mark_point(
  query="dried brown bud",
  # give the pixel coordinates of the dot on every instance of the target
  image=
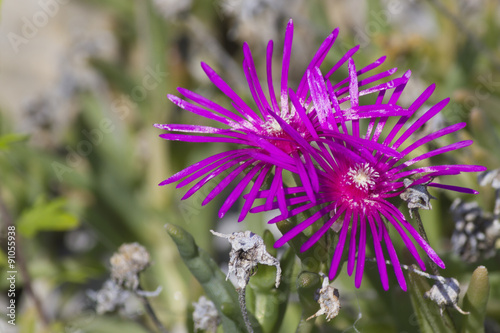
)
(127, 263)
(445, 293)
(248, 250)
(416, 196)
(328, 299)
(205, 315)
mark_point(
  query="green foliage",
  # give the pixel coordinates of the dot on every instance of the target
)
(475, 301)
(213, 281)
(7, 140)
(112, 186)
(46, 216)
(427, 312)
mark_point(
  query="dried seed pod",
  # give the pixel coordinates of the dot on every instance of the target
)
(248, 250)
(328, 299)
(205, 315)
(445, 293)
(109, 298)
(416, 196)
(127, 263)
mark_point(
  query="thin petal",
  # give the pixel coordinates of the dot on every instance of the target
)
(382, 268)
(360, 265)
(339, 248)
(201, 164)
(240, 187)
(225, 181)
(304, 224)
(324, 228)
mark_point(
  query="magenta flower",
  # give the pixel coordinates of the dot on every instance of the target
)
(264, 147)
(358, 173)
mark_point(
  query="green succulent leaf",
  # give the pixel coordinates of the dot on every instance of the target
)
(475, 301)
(46, 216)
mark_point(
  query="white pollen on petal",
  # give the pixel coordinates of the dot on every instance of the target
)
(362, 176)
(272, 127)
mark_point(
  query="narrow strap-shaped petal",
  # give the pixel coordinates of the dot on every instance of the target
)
(272, 192)
(352, 244)
(393, 99)
(255, 79)
(360, 264)
(287, 51)
(199, 138)
(374, 146)
(201, 164)
(440, 168)
(293, 133)
(269, 70)
(201, 111)
(225, 181)
(272, 160)
(433, 136)
(354, 94)
(317, 60)
(341, 61)
(211, 105)
(210, 176)
(252, 195)
(280, 194)
(291, 201)
(413, 108)
(336, 107)
(371, 125)
(311, 172)
(423, 244)
(229, 92)
(371, 111)
(193, 128)
(319, 96)
(420, 122)
(239, 188)
(303, 114)
(253, 89)
(435, 152)
(454, 188)
(409, 244)
(325, 227)
(379, 256)
(269, 147)
(304, 177)
(340, 91)
(339, 248)
(392, 254)
(304, 224)
(210, 167)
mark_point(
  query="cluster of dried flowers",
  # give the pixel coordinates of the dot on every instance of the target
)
(349, 156)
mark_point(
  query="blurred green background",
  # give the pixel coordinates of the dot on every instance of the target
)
(82, 82)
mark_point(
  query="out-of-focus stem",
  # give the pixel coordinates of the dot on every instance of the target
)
(151, 313)
(422, 233)
(21, 262)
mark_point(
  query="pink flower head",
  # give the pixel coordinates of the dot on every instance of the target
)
(264, 147)
(358, 172)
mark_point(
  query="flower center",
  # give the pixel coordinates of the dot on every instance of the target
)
(283, 141)
(362, 176)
